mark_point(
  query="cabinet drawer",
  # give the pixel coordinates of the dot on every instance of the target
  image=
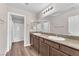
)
(54, 52)
(69, 50)
(53, 44)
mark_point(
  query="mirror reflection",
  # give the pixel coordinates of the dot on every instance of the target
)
(63, 19)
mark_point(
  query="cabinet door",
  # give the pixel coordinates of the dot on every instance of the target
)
(31, 40)
(54, 52)
(36, 43)
(44, 49)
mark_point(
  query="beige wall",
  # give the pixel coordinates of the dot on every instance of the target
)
(59, 24)
(3, 30)
(4, 9)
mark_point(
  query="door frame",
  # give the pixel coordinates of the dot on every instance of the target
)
(8, 39)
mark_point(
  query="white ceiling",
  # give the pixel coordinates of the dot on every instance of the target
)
(33, 7)
(37, 7)
(64, 7)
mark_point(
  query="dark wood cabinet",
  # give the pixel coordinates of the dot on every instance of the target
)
(36, 43)
(69, 50)
(31, 40)
(55, 52)
(52, 44)
(44, 49)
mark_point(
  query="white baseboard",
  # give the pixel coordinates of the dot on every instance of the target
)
(5, 52)
(27, 45)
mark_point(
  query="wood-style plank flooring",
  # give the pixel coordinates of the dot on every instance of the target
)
(18, 49)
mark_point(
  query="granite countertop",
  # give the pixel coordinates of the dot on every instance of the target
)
(74, 43)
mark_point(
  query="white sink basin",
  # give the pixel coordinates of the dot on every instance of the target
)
(56, 38)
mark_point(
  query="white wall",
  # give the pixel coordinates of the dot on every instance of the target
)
(18, 32)
(4, 9)
(3, 29)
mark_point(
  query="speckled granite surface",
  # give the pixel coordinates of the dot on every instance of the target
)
(71, 41)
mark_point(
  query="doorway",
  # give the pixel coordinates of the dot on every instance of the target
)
(16, 29)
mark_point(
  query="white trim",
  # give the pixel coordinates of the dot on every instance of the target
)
(8, 32)
(12, 13)
(27, 45)
(5, 53)
(24, 30)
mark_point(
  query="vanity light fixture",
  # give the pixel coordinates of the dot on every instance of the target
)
(51, 8)
(26, 3)
(47, 10)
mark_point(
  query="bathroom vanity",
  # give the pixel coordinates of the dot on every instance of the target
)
(49, 47)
